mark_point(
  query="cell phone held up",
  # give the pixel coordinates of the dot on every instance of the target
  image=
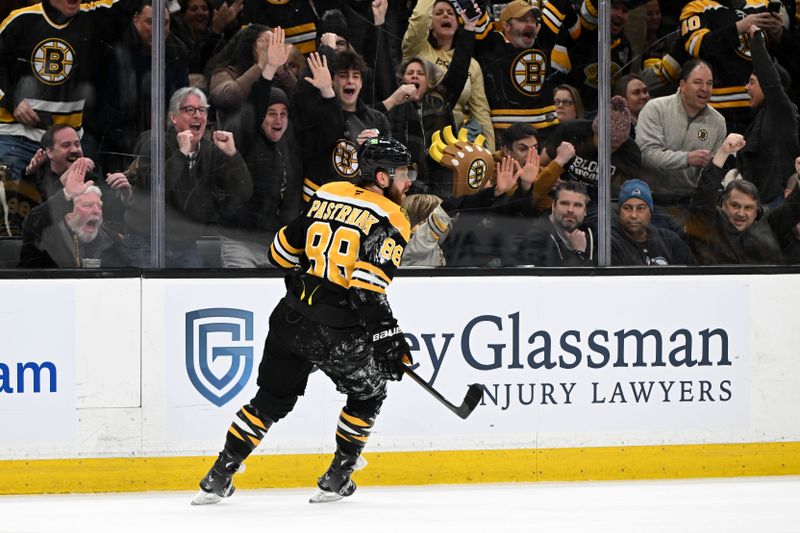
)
(774, 6)
(470, 10)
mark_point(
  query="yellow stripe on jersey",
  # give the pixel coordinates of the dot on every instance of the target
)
(692, 45)
(302, 37)
(283, 252)
(559, 58)
(302, 28)
(483, 27)
(728, 90)
(6, 116)
(730, 105)
(75, 120)
(697, 7)
(35, 8)
(309, 188)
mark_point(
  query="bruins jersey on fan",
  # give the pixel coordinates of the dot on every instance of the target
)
(708, 32)
(519, 83)
(295, 16)
(349, 238)
(50, 62)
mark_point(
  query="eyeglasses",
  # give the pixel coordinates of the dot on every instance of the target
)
(559, 101)
(191, 110)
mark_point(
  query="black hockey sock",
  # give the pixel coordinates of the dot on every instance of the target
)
(352, 432)
(246, 431)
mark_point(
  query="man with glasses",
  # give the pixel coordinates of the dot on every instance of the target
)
(203, 179)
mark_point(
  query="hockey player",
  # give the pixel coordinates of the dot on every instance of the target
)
(340, 255)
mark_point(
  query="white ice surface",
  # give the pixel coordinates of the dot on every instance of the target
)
(762, 505)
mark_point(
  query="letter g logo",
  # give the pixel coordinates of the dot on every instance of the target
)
(219, 352)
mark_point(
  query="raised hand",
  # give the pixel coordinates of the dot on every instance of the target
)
(119, 182)
(224, 15)
(329, 39)
(73, 178)
(733, 143)
(321, 76)
(36, 161)
(224, 141)
(368, 133)
(564, 153)
(529, 174)
(379, 8)
(577, 239)
(185, 141)
(277, 52)
(506, 176)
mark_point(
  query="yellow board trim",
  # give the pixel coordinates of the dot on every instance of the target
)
(411, 468)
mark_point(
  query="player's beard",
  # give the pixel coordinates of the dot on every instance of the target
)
(394, 194)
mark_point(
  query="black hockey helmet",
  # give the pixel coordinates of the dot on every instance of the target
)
(382, 153)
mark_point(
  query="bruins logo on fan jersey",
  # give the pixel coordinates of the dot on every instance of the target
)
(345, 158)
(591, 73)
(529, 71)
(743, 50)
(52, 61)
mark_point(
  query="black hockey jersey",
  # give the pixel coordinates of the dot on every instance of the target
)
(348, 237)
(519, 82)
(51, 62)
(296, 17)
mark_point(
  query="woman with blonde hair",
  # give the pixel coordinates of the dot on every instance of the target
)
(430, 224)
(431, 35)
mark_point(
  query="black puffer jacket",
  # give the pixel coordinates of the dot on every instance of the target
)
(714, 240)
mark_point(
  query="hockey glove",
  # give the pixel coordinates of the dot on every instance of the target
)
(388, 348)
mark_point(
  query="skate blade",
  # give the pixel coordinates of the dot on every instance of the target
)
(325, 496)
(205, 498)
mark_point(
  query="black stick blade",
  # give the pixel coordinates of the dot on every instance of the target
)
(471, 400)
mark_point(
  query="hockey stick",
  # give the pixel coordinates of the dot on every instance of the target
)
(471, 400)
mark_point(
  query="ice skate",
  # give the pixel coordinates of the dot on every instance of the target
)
(218, 483)
(336, 484)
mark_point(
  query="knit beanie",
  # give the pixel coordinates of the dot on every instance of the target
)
(620, 118)
(277, 96)
(635, 189)
(333, 21)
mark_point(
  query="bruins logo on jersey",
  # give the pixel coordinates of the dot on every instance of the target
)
(591, 74)
(345, 158)
(52, 61)
(743, 50)
(528, 72)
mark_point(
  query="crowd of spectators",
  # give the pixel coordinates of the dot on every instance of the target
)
(269, 100)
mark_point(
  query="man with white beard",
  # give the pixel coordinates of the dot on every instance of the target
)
(67, 230)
